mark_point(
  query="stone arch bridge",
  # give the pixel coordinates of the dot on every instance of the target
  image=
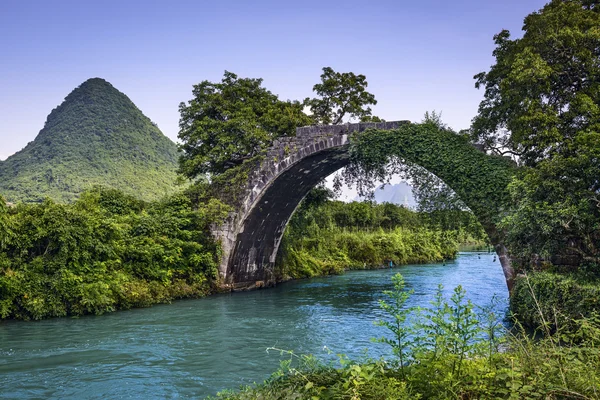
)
(251, 236)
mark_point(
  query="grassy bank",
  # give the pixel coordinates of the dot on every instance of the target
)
(327, 237)
(333, 250)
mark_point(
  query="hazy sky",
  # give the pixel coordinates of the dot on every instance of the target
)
(418, 55)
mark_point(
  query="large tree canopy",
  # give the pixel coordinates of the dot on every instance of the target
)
(542, 104)
(232, 121)
(229, 122)
(544, 89)
(341, 94)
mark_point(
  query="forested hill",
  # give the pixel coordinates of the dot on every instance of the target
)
(97, 136)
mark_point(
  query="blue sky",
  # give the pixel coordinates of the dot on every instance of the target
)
(418, 55)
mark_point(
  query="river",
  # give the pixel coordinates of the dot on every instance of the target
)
(194, 348)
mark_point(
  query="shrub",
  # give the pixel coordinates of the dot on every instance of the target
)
(561, 299)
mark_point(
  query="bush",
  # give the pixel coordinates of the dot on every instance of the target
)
(560, 298)
(105, 252)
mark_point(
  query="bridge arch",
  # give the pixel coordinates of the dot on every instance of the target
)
(251, 236)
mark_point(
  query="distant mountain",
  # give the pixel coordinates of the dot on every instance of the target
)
(97, 136)
(399, 193)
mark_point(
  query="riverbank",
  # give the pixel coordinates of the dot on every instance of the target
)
(195, 348)
(449, 349)
(329, 237)
(527, 370)
(109, 251)
(334, 250)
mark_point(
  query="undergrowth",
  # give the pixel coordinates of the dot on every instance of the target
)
(450, 350)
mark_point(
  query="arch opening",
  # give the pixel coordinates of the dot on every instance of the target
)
(252, 237)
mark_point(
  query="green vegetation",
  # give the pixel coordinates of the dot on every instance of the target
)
(327, 237)
(228, 124)
(97, 136)
(542, 104)
(449, 351)
(341, 95)
(334, 250)
(564, 297)
(109, 251)
(541, 109)
(106, 251)
(477, 178)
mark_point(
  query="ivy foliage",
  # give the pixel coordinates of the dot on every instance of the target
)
(106, 251)
(479, 180)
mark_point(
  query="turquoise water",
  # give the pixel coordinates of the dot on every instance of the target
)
(194, 348)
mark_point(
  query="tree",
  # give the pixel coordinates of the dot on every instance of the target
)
(542, 104)
(544, 89)
(230, 122)
(4, 227)
(341, 95)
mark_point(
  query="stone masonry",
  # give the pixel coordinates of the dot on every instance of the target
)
(292, 167)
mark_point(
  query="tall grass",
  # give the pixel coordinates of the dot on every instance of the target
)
(457, 353)
(322, 251)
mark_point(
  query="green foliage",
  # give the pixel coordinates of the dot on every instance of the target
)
(456, 354)
(97, 136)
(326, 237)
(333, 250)
(430, 192)
(551, 300)
(226, 127)
(555, 208)
(443, 336)
(341, 95)
(228, 186)
(478, 179)
(313, 380)
(106, 251)
(399, 313)
(230, 122)
(544, 88)
(4, 227)
(542, 104)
